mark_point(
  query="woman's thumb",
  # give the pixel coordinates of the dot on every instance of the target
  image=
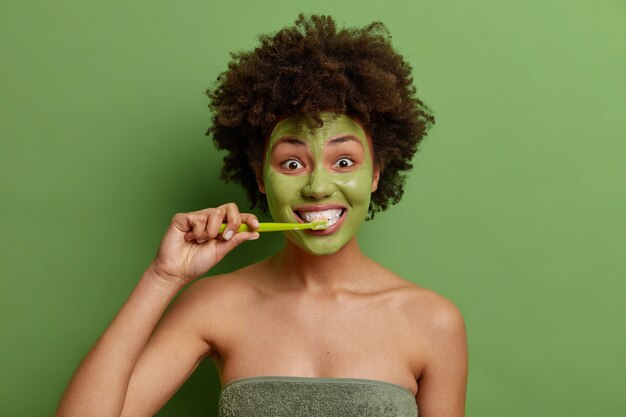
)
(236, 240)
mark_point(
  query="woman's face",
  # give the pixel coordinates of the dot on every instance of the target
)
(322, 173)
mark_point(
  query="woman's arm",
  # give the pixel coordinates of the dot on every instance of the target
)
(190, 247)
(98, 388)
(443, 381)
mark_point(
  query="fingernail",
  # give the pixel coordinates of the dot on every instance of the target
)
(227, 234)
(255, 223)
(254, 236)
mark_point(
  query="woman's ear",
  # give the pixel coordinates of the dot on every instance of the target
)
(260, 183)
(375, 179)
(258, 175)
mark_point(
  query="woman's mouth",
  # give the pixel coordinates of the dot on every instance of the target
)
(334, 217)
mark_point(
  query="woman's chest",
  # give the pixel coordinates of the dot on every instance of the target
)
(350, 340)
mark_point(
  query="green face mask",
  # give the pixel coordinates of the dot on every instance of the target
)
(319, 173)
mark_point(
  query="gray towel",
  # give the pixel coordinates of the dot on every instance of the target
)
(285, 396)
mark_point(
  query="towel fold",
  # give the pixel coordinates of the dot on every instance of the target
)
(282, 396)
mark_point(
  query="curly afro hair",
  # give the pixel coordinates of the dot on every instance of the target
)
(310, 68)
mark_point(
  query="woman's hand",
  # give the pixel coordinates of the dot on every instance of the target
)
(192, 244)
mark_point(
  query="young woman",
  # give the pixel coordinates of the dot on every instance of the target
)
(318, 123)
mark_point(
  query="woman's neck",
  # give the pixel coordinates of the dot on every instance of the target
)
(299, 270)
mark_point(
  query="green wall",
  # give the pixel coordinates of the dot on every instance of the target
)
(515, 209)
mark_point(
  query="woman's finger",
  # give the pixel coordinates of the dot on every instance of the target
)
(225, 246)
(194, 225)
(251, 220)
(199, 225)
(233, 220)
(216, 218)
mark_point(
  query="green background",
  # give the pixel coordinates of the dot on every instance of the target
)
(515, 210)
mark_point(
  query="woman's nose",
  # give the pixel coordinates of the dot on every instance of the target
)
(319, 185)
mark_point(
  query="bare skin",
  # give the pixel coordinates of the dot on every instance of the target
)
(297, 313)
(284, 316)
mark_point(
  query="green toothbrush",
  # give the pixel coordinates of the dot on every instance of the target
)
(277, 227)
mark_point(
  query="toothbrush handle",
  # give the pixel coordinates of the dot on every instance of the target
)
(277, 227)
(243, 228)
(270, 227)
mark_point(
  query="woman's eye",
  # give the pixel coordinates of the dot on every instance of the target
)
(344, 163)
(292, 164)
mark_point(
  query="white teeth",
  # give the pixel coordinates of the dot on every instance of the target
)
(331, 215)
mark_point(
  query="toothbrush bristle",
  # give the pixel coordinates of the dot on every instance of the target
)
(320, 225)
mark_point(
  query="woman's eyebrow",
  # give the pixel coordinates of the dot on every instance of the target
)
(343, 139)
(290, 140)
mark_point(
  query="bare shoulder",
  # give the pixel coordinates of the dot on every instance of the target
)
(429, 316)
(199, 306)
(428, 308)
(438, 313)
(220, 292)
(440, 353)
(212, 305)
